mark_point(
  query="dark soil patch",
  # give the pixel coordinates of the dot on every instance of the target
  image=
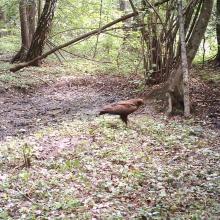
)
(81, 97)
(206, 103)
(22, 113)
(204, 97)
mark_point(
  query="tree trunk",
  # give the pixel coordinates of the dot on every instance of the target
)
(39, 9)
(42, 31)
(185, 71)
(175, 83)
(124, 7)
(32, 10)
(84, 36)
(155, 52)
(218, 31)
(25, 40)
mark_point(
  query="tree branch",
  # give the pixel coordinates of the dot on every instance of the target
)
(160, 2)
(81, 37)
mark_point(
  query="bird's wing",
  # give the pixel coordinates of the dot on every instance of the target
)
(119, 109)
(126, 102)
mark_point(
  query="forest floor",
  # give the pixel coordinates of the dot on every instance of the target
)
(83, 166)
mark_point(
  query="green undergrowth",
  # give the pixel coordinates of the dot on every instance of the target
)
(32, 77)
(9, 44)
(50, 72)
(100, 169)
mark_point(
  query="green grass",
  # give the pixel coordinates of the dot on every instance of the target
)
(9, 44)
(156, 168)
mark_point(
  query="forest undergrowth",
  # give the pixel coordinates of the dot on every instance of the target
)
(60, 160)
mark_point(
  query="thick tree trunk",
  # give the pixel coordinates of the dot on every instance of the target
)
(218, 31)
(42, 31)
(185, 70)
(155, 54)
(25, 40)
(175, 84)
(32, 10)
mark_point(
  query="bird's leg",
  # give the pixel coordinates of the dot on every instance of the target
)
(124, 118)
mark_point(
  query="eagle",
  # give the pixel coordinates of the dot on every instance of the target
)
(122, 108)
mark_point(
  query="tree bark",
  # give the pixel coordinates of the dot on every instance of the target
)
(25, 41)
(175, 83)
(199, 30)
(32, 10)
(217, 60)
(124, 7)
(39, 9)
(185, 70)
(84, 36)
(41, 33)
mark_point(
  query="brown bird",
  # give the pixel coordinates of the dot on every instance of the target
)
(122, 108)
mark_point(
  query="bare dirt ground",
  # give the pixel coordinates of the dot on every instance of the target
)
(23, 112)
(88, 167)
(68, 98)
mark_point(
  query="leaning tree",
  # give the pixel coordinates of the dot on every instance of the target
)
(42, 31)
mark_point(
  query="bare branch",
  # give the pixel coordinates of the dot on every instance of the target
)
(84, 36)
